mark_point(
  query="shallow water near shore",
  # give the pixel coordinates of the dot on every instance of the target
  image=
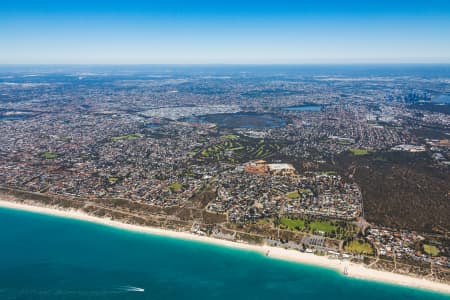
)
(48, 257)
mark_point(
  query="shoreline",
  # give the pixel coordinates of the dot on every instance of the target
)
(354, 270)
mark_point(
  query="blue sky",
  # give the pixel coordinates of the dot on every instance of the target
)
(267, 32)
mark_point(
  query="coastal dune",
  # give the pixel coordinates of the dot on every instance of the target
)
(352, 269)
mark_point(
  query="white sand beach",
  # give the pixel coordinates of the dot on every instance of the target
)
(354, 270)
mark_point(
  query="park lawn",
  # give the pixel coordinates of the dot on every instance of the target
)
(49, 155)
(330, 172)
(324, 226)
(430, 250)
(293, 224)
(237, 148)
(132, 136)
(230, 136)
(113, 179)
(359, 152)
(293, 195)
(265, 221)
(175, 186)
(359, 247)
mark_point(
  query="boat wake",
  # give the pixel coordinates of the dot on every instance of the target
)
(129, 288)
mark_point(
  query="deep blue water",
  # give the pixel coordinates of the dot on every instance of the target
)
(12, 118)
(45, 257)
(193, 120)
(245, 120)
(442, 99)
(303, 108)
(152, 125)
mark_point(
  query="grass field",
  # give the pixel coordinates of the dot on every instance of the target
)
(334, 229)
(49, 155)
(230, 136)
(175, 186)
(131, 136)
(430, 250)
(293, 195)
(359, 247)
(324, 226)
(293, 224)
(237, 149)
(113, 179)
(330, 172)
(359, 152)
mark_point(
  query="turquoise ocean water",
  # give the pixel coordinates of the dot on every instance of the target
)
(46, 257)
